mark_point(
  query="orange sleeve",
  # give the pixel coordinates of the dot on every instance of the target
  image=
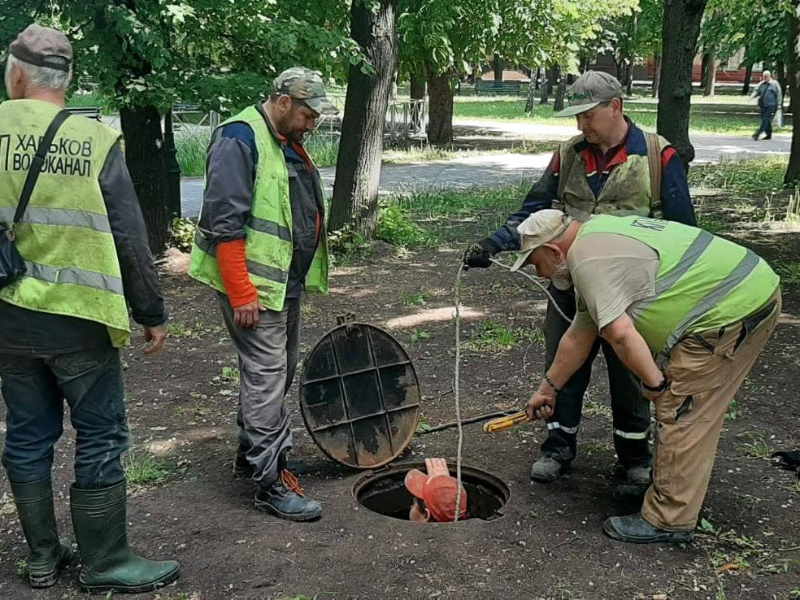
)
(233, 269)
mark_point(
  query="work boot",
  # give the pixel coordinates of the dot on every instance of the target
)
(242, 469)
(37, 516)
(547, 469)
(755, 136)
(107, 563)
(767, 137)
(638, 475)
(636, 530)
(286, 499)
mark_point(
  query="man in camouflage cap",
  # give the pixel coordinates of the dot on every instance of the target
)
(260, 242)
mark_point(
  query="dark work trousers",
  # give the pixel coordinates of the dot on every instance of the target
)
(767, 114)
(35, 388)
(631, 412)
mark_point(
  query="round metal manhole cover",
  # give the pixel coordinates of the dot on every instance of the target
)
(359, 396)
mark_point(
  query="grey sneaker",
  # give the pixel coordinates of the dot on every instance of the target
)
(638, 476)
(547, 469)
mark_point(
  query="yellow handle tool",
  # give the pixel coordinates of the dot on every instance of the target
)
(503, 423)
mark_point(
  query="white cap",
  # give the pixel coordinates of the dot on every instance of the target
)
(540, 228)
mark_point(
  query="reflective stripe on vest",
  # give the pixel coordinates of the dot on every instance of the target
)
(64, 235)
(703, 282)
(67, 217)
(268, 229)
(253, 267)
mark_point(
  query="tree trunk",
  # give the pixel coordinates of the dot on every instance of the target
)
(583, 64)
(358, 167)
(792, 62)
(711, 74)
(417, 87)
(440, 125)
(561, 89)
(748, 75)
(497, 65)
(681, 27)
(144, 155)
(780, 75)
(704, 67)
(656, 74)
(793, 171)
(538, 78)
(548, 82)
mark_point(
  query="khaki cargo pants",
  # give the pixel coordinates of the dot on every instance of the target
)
(705, 371)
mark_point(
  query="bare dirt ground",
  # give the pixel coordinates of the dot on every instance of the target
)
(548, 545)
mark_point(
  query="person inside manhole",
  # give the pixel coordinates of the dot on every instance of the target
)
(435, 494)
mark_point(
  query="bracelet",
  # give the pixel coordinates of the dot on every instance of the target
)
(659, 388)
(551, 384)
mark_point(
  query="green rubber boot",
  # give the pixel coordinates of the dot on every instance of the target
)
(107, 564)
(48, 554)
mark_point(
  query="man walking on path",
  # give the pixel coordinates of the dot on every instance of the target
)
(703, 306)
(85, 247)
(260, 242)
(612, 167)
(770, 99)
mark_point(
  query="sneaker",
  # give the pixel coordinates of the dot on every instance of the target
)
(636, 530)
(547, 469)
(286, 499)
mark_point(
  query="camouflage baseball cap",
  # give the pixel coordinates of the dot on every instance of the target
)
(306, 85)
(589, 90)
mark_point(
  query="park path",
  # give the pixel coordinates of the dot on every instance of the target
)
(508, 168)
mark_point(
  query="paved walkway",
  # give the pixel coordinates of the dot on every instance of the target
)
(504, 169)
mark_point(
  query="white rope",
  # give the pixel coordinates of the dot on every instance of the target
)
(457, 387)
(537, 282)
(457, 375)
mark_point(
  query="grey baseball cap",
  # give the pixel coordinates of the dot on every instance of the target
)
(43, 47)
(306, 85)
(589, 90)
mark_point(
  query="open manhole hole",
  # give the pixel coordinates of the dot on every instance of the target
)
(384, 492)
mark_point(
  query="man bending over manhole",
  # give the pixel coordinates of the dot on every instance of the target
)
(435, 494)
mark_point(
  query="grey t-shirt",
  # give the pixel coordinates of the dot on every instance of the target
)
(611, 273)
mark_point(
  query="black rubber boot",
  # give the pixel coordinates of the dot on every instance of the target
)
(242, 469)
(107, 563)
(37, 516)
(636, 530)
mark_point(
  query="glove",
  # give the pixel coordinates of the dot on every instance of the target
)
(479, 254)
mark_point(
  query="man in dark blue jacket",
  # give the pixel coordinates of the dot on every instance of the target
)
(612, 167)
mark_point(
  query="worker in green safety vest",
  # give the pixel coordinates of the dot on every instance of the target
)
(85, 247)
(261, 241)
(686, 311)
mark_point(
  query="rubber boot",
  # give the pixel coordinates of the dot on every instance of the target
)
(107, 563)
(37, 516)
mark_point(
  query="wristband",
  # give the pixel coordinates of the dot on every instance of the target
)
(659, 388)
(551, 384)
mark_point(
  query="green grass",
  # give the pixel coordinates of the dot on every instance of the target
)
(789, 271)
(142, 468)
(757, 447)
(323, 150)
(489, 336)
(742, 177)
(192, 154)
(722, 117)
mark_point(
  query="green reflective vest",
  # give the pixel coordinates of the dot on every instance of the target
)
(627, 191)
(704, 282)
(268, 230)
(64, 236)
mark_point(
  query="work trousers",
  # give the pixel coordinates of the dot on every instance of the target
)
(630, 411)
(705, 371)
(767, 114)
(267, 364)
(34, 389)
